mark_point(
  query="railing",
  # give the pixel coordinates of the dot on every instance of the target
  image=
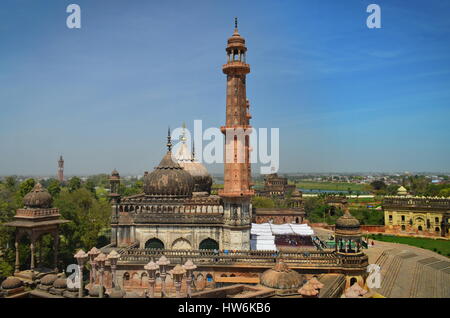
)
(30, 213)
(419, 202)
(177, 218)
(319, 259)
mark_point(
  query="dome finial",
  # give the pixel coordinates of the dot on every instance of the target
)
(169, 141)
(183, 134)
(235, 23)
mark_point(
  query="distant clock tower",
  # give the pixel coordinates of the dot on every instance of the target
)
(61, 169)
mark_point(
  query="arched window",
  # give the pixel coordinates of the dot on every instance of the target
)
(403, 228)
(437, 229)
(420, 228)
(209, 278)
(126, 276)
(181, 244)
(154, 243)
(353, 280)
(209, 244)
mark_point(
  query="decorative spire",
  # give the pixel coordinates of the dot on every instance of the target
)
(235, 23)
(183, 134)
(169, 141)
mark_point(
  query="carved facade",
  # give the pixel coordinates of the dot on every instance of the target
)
(417, 215)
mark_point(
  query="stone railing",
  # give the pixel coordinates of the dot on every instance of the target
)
(416, 202)
(170, 218)
(37, 213)
(305, 259)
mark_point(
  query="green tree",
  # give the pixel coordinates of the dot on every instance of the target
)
(74, 184)
(8, 206)
(26, 186)
(89, 219)
(11, 183)
(90, 186)
(54, 188)
(392, 189)
(262, 202)
(445, 192)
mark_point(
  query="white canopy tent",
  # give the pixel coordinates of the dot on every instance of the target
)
(263, 235)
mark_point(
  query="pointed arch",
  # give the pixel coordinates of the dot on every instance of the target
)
(209, 244)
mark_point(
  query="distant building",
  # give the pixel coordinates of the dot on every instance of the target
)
(277, 186)
(417, 215)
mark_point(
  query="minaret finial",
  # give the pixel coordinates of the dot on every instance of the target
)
(235, 23)
(169, 141)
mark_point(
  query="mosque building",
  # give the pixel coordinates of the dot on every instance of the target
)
(177, 209)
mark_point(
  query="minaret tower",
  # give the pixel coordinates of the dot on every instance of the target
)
(237, 191)
(61, 169)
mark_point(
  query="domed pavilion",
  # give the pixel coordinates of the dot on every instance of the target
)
(348, 234)
(36, 219)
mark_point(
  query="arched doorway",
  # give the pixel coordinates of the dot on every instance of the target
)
(181, 244)
(154, 243)
(209, 244)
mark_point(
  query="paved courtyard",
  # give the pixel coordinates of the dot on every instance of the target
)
(408, 271)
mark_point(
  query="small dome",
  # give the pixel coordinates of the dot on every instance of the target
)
(48, 279)
(11, 283)
(202, 179)
(117, 292)
(38, 198)
(281, 277)
(95, 291)
(114, 175)
(402, 191)
(60, 283)
(308, 290)
(296, 193)
(169, 179)
(186, 159)
(347, 222)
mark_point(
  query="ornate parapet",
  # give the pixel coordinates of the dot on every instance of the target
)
(178, 218)
(308, 260)
(422, 203)
(37, 213)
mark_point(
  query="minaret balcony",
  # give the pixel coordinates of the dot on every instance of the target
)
(236, 67)
(246, 128)
(236, 194)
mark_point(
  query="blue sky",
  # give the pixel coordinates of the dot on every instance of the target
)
(345, 98)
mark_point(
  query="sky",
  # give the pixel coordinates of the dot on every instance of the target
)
(345, 98)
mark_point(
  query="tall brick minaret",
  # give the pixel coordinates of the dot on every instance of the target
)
(61, 169)
(237, 191)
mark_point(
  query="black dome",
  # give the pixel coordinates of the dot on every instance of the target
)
(169, 179)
